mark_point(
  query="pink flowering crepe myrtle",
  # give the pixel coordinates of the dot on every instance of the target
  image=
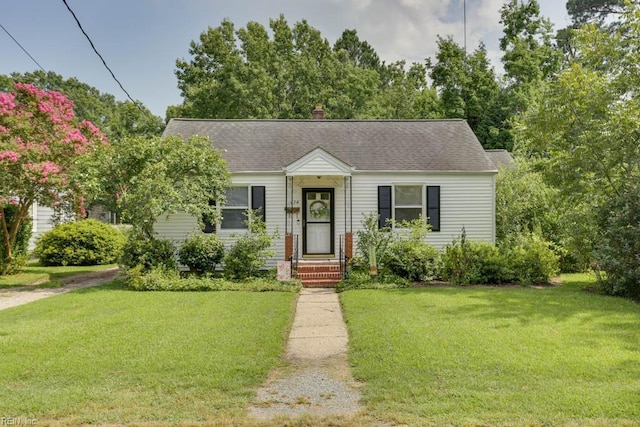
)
(41, 146)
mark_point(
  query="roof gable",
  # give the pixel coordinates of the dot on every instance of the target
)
(318, 162)
(366, 145)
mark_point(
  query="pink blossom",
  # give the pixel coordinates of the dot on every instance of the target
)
(7, 102)
(74, 135)
(14, 202)
(45, 107)
(12, 156)
(48, 168)
(26, 87)
(3, 129)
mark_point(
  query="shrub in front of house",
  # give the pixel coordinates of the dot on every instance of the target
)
(247, 256)
(414, 260)
(20, 249)
(467, 262)
(146, 252)
(201, 253)
(250, 251)
(86, 242)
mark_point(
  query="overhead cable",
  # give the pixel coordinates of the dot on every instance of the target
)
(22, 47)
(100, 56)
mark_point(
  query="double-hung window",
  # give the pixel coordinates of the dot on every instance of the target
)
(406, 202)
(234, 211)
(238, 200)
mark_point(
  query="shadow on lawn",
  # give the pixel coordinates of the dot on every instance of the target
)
(613, 316)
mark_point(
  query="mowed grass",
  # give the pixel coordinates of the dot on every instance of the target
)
(108, 355)
(497, 356)
(45, 276)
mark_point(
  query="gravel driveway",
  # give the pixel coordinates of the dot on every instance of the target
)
(18, 296)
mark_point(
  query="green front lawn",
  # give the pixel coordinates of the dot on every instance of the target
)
(109, 355)
(491, 356)
(44, 276)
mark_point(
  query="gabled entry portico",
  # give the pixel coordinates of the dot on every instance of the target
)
(318, 207)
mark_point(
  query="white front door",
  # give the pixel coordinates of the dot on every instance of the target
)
(318, 221)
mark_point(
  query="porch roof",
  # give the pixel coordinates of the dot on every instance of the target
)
(366, 145)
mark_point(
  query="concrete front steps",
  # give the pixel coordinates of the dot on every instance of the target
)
(318, 273)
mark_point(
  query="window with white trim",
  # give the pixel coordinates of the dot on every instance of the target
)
(408, 202)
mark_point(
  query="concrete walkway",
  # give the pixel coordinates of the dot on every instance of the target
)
(318, 329)
(318, 381)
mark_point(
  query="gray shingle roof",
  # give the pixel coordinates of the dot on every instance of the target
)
(500, 157)
(368, 145)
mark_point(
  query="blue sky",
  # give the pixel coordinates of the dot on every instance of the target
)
(141, 39)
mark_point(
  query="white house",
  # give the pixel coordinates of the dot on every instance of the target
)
(315, 179)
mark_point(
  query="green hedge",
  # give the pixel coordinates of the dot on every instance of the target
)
(86, 242)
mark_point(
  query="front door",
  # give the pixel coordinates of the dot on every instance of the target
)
(317, 221)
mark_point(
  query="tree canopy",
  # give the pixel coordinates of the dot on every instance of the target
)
(248, 73)
(44, 153)
(581, 129)
(145, 177)
(115, 118)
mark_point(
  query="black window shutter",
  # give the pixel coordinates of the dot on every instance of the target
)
(433, 206)
(209, 227)
(258, 201)
(384, 206)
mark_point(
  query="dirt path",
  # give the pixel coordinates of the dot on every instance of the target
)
(318, 381)
(23, 295)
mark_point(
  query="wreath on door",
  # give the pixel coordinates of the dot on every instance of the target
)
(319, 209)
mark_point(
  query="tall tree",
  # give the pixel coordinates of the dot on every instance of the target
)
(246, 73)
(581, 128)
(359, 52)
(469, 89)
(145, 177)
(594, 11)
(529, 55)
(43, 157)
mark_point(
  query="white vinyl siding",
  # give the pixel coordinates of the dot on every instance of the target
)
(466, 200)
(177, 227)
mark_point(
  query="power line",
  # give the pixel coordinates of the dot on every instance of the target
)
(22, 47)
(100, 56)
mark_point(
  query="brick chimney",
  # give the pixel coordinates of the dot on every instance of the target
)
(318, 113)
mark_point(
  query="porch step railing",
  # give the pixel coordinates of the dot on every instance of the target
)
(294, 258)
(343, 258)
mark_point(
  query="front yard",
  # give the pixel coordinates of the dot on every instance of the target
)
(491, 356)
(428, 356)
(108, 355)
